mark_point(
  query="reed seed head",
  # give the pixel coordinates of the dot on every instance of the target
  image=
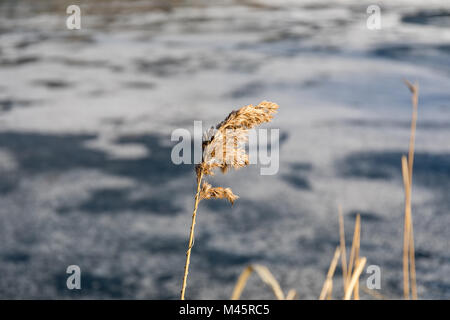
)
(224, 146)
(208, 192)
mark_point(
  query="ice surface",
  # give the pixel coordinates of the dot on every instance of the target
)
(85, 124)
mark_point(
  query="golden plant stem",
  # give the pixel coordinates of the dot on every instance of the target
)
(357, 239)
(291, 295)
(354, 254)
(412, 263)
(343, 250)
(415, 100)
(409, 266)
(356, 290)
(330, 291)
(265, 275)
(353, 251)
(191, 235)
(414, 88)
(328, 284)
(406, 231)
(351, 285)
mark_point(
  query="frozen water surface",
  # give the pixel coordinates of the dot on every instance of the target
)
(85, 123)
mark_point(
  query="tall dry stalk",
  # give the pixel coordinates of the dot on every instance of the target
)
(327, 288)
(223, 148)
(343, 249)
(354, 279)
(191, 235)
(354, 254)
(406, 231)
(409, 268)
(350, 276)
(266, 276)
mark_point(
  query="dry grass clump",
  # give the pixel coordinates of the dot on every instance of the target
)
(409, 265)
(352, 269)
(223, 148)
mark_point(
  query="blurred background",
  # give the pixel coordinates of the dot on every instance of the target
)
(86, 117)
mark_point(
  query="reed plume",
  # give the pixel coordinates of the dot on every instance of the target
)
(223, 148)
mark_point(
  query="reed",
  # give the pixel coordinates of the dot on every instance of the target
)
(343, 249)
(409, 266)
(354, 279)
(354, 254)
(223, 148)
(352, 269)
(266, 276)
(291, 295)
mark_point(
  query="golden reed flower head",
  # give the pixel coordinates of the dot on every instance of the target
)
(224, 146)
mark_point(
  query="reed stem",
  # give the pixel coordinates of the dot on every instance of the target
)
(191, 234)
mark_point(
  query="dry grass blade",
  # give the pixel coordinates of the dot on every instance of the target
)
(412, 261)
(330, 291)
(358, 244)
(409, 275)
(265, 275)
(408, 245)
(414, 88)
(354, 253)
(351, 285)
(241, 282)
(406, 231)
(291, 295)
(343, 249)
(328, 284)
(191, 237)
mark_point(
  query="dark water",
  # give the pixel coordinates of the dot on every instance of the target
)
(86, 115)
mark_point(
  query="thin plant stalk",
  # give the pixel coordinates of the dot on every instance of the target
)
(408, 247)
(354, 254)
(412, 262)
(406, 231)
(353, 250)
(291, 295)
(343, 249)
(414, 88)
(357, 246)
(328, 284)
(191, 235)
(351, 285)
